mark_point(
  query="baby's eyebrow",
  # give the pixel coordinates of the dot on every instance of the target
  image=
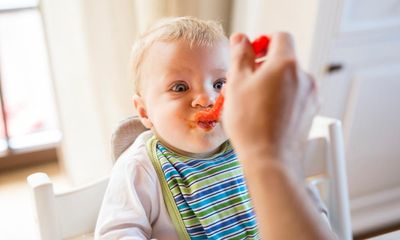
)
(220, 70)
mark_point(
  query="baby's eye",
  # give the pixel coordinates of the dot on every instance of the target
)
(180, 87)
(219, 83)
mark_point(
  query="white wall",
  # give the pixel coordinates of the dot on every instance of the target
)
(150, 10)
(300, 18)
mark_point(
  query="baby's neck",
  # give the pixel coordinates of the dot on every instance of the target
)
(188, 154)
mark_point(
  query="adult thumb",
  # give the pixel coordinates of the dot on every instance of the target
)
(242, 57)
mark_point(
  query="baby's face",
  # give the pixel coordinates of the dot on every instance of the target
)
(177, 82)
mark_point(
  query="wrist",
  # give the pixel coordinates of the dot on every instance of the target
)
(257, 152)
(266, 160)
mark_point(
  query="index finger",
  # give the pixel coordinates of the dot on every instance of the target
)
(242, 58)
(281, 46)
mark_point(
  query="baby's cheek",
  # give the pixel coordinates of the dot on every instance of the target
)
(178, 126)
(182, 121)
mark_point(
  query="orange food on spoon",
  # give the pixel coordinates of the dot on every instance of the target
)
(212, 115)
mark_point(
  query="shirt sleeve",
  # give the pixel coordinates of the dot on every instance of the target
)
(129, 204)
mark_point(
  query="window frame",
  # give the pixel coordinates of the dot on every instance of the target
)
(16, 158)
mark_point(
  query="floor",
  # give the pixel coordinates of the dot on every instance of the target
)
(16, 215)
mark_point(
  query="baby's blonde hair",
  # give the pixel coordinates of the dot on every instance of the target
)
(193, 30)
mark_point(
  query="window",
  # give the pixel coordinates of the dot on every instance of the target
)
(29, 129)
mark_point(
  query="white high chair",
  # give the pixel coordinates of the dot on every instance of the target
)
(325, 168)
(68, 214)
(73, 214)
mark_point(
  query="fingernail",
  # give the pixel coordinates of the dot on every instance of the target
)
(236, 39)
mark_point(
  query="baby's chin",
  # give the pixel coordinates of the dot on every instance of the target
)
(194, 144)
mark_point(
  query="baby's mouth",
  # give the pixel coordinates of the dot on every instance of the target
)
(206, 125)
(208, 118)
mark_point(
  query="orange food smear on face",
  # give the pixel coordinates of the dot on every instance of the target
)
(211, 114)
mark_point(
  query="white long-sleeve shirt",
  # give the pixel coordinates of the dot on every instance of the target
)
(133, 206)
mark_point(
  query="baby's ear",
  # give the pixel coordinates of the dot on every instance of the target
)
(141, 110)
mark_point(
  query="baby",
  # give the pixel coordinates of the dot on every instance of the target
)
(181, 180)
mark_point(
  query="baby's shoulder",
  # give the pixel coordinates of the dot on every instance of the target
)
(135, 156)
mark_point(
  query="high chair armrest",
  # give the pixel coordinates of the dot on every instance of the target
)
(38, 179)
(44, 205)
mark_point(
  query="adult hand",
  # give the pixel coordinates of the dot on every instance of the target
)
(267, 114)
(269, 107)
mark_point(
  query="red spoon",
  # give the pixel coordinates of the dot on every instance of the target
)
(260, 45)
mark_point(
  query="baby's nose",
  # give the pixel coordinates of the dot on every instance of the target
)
(203, 100)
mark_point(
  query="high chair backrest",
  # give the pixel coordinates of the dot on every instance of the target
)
(125, 134)
(325, 168)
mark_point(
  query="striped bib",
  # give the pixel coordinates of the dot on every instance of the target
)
(206, 198)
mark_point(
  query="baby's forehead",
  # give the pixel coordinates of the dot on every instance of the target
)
(172, 71)
(185, 54)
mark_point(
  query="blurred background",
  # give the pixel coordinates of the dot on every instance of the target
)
(64, 87)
